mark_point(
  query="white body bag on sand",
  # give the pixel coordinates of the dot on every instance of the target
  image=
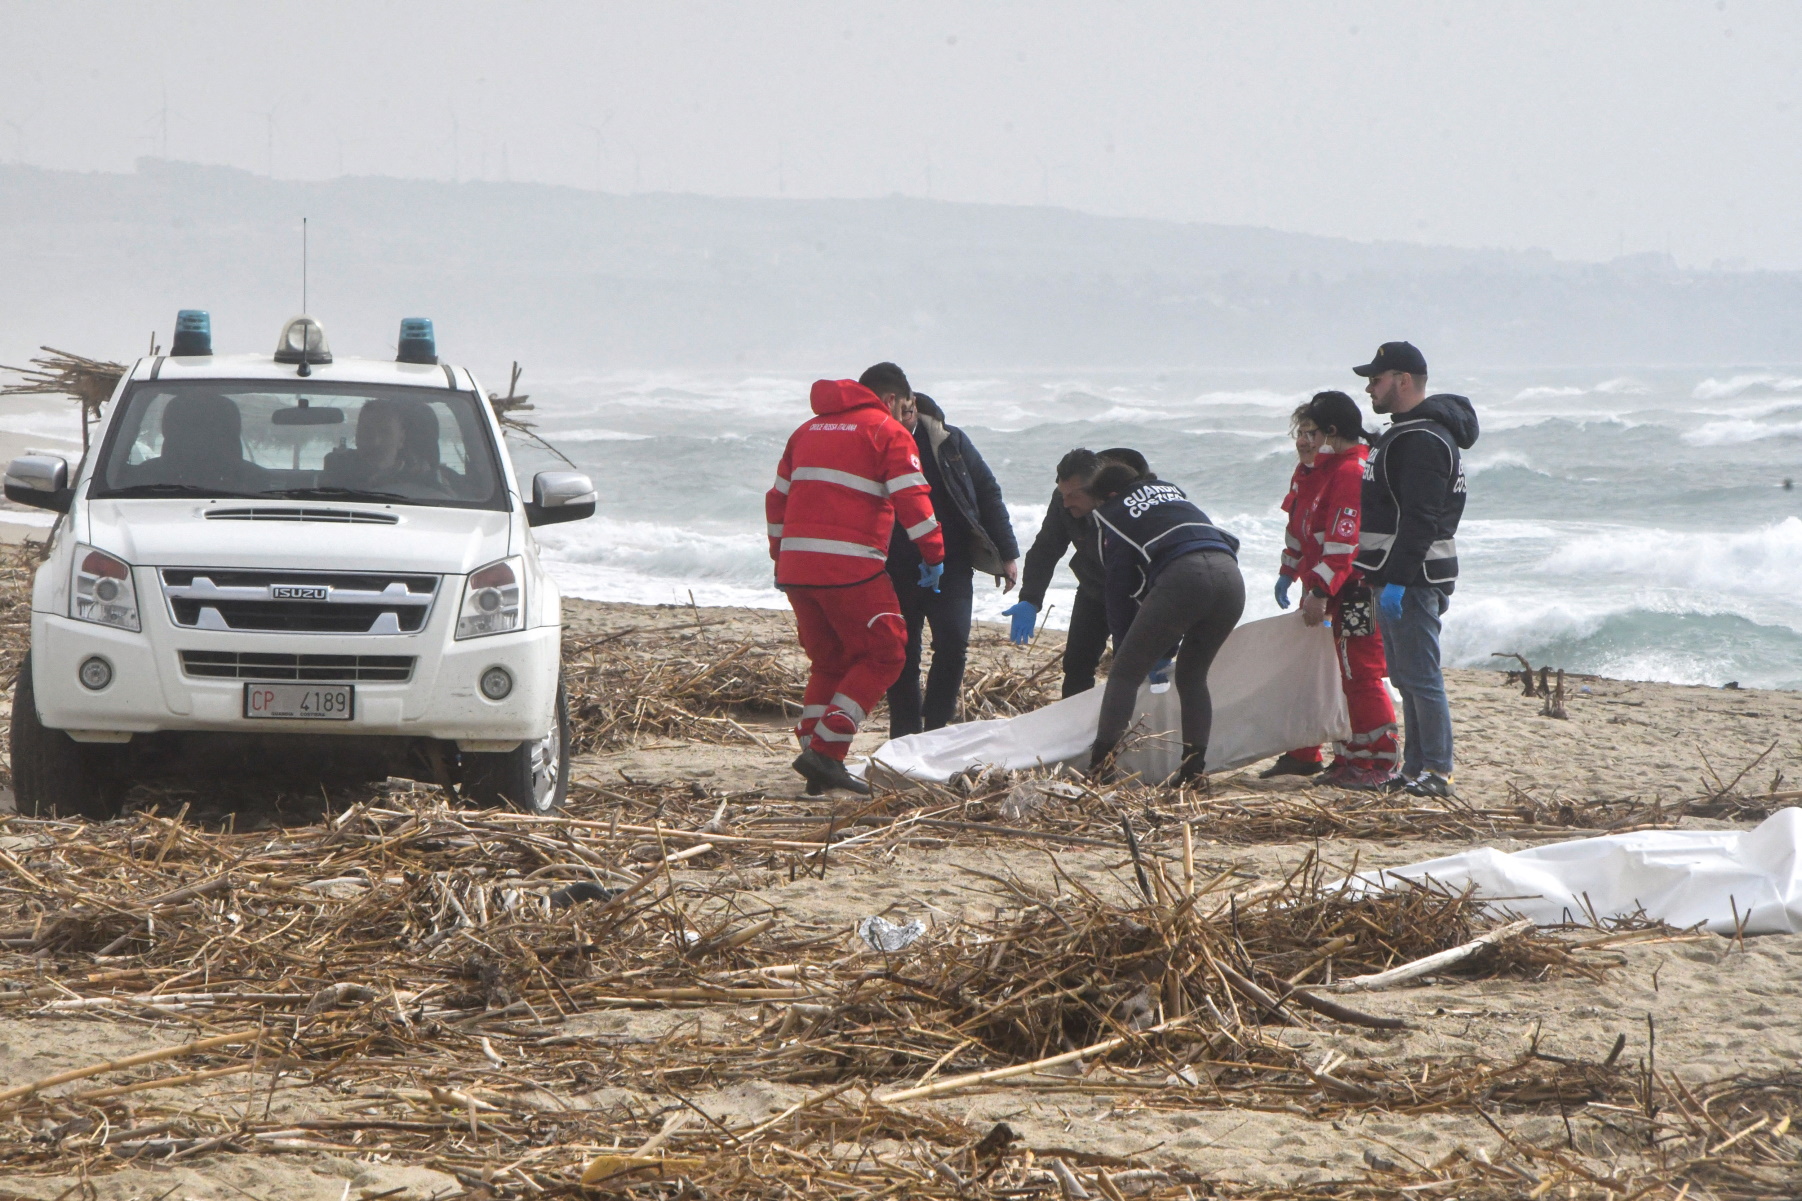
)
(1682, 877)
(1275, 686)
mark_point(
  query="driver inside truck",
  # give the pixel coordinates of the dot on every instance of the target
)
(203, 447)
(375, 460)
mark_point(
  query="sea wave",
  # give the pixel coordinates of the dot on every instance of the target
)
(1765, 562)
(1729, 433)
(1714, 389)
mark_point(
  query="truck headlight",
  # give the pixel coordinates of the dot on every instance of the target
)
(101, 590)
(493, 599)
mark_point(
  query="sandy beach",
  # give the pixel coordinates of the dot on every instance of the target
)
(1632, 752)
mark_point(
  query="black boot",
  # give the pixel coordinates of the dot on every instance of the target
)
(823, 772)
(1288, 765)
(1193, 773)
(1101, 763)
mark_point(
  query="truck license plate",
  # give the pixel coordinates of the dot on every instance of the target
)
(319, 702)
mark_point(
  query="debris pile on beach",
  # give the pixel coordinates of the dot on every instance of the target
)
(693, 682)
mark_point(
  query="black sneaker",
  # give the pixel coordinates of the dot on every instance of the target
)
(1432, 784)
(823, 772)
(1288, 765)
(1397, 783)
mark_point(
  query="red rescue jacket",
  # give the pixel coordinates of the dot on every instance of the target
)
(845, 477)
(1329, 525)
(1304, 486)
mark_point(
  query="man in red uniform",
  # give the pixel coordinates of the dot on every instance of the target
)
(1335, 590)
(847, 475)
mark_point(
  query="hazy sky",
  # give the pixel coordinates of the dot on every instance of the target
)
(1586, 128)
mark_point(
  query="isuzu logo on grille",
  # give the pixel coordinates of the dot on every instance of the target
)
(311, 592)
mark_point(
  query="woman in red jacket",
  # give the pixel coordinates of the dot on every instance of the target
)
(1334, 590)
(1304, 488)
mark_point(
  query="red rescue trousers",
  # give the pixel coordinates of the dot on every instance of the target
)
(1372, 713)
(856, 642)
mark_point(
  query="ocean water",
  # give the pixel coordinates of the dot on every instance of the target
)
(1630, 523)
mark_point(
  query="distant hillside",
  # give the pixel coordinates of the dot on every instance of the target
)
(573, 280)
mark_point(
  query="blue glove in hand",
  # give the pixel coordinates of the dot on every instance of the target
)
(1282, 591)
(930, 574)
(1026, 619)
(1390, 601)
(1160, 671)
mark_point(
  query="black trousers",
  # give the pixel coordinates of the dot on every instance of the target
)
(947, 612)
(1086, 641)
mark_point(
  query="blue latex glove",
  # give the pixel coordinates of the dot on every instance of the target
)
(1026, 619)
(1282, 591)
(930, 574)
(1160, 671)
(1390, 601)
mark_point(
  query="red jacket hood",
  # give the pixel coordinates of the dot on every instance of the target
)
(838, 395)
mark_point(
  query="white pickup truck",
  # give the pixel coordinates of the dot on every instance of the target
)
(293, 563)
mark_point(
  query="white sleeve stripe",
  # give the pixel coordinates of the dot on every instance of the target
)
(917, 532)
(912, 480)
(782, 485)
(775, 530)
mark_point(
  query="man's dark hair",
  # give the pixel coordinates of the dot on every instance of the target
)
(886, 379)
(1127, 456)
(1081, 462)
(1335, 413)
(926, 405)
(1112, 480)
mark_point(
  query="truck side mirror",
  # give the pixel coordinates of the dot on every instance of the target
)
(42, 481)
(556, 496)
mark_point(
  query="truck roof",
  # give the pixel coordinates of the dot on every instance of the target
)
(343, 369)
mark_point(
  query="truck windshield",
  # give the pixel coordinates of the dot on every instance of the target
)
(301, 440)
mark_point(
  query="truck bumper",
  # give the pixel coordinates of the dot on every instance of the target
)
(151, 691)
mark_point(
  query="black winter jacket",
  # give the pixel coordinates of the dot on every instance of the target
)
(1414, 494)
(1058, 532)
(1143, 530)
(965, 496)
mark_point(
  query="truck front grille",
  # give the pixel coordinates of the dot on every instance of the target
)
(299, 602)
(328, 669)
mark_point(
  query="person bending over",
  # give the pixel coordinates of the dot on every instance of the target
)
(1171, 575)
(978, 537)
(1068, 522)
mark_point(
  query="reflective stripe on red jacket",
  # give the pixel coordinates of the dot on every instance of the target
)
(1329, 524)
(846, 476)
(1304, 486)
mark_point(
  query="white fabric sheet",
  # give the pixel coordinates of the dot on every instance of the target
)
(1275, 686)
(1678, 876)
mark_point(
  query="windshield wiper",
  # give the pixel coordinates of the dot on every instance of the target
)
(177, 490)
(337, 493)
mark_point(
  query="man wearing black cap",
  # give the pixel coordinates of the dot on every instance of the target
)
(1413, 497)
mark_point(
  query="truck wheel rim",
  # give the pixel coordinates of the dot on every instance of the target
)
(546, 760)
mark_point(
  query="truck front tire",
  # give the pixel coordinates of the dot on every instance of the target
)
(53, 775)
(533, 777)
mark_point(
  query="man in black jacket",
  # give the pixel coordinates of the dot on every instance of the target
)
(1068, 522)
(978, 537)
(1414, 491)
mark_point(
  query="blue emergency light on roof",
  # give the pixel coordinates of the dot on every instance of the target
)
(193, 333)
(417, 342)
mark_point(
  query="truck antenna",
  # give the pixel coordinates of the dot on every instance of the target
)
(303, 264)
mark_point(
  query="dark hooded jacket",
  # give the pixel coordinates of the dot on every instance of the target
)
(1414, 494)
(978, 533)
